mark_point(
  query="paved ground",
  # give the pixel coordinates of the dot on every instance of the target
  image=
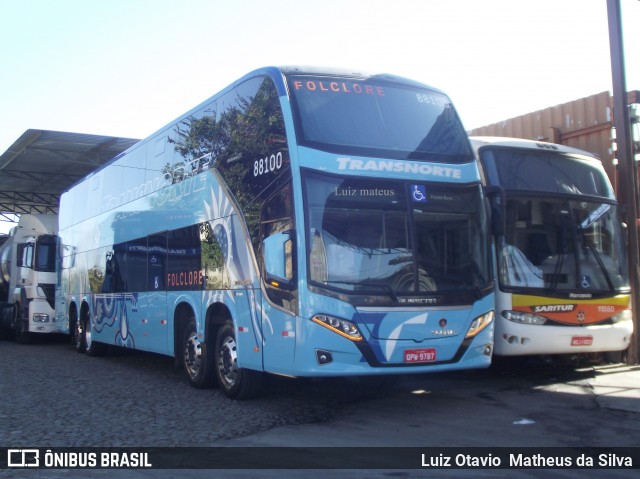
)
(50, 396)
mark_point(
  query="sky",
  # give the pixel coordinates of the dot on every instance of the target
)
(128, 67)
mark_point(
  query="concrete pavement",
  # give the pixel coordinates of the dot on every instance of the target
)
(617, 387)
(579, 407)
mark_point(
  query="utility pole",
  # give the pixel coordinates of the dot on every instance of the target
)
(628, 172)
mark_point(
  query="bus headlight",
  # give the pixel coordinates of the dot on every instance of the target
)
(523, 318)
(479, 324)
(343, 327)
(625, 315)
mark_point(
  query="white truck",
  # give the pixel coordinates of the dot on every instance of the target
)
(28, 277)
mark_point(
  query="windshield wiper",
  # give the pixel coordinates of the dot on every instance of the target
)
(589, 246)
(567, 226)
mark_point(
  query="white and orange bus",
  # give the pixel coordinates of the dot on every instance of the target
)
(563, 282)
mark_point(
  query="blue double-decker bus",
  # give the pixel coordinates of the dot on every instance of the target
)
(300, 222)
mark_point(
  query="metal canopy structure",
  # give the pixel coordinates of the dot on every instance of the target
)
(42, 164)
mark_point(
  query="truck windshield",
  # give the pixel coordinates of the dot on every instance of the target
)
(394, 238)
(45, 257)
(377, 118)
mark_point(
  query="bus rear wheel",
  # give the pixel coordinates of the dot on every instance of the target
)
(85, 342)
(77, 338)
(236, 383)
(197, 360)
(76, 329)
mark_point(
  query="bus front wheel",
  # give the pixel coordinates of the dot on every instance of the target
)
(236, 383)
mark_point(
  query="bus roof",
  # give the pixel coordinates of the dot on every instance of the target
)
(478, 142)
(273, 71)
(363, 75)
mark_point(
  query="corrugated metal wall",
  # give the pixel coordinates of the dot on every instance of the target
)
(585, 123)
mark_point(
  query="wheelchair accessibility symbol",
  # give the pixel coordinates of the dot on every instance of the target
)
(419, 193)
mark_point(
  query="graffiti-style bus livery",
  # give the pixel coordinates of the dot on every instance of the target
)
(303, 223)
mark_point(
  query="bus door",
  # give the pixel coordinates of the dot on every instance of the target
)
(279, 330)
(157, 325)
(142, 320)
(248, 319)
(279, 310)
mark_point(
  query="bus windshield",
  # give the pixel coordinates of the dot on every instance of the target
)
(562, 232)
(514, 169)
(377, 118)
(578, 247)
(393, 238)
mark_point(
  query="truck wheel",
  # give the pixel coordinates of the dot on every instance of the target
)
(236, 383)
(197, 359)
(23, 336)
(5, 322)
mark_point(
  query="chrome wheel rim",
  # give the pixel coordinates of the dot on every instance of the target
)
(193, 355)
(228, 361)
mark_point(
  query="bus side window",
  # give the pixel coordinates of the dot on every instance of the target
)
(136, 261)
(114, 281)
(183, 259)
(214, 269)
(157, 261)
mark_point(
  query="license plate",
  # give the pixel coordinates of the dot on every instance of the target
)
(581, 340)
(419, 355)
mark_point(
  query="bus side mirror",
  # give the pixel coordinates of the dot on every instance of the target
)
(68, 256)
(277, 252)
(497, 203)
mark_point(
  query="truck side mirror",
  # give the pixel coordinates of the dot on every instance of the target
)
(277, 255)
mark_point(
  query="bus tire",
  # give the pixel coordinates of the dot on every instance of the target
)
(78, 339)
(235, 382)
(90, 347)
(73, 331)
(197, 359)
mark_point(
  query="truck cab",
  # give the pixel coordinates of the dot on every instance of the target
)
(28, 266)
